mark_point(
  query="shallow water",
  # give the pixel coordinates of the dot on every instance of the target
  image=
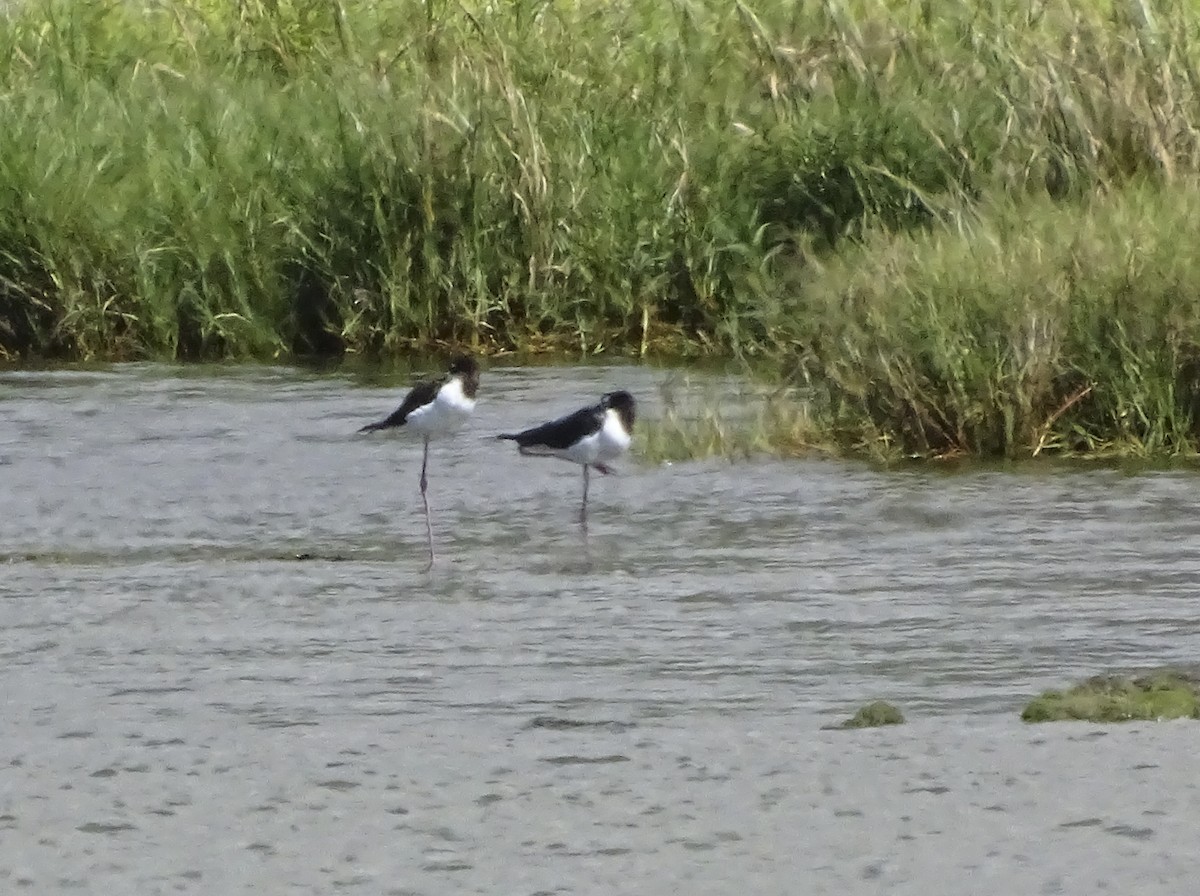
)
(191, 708)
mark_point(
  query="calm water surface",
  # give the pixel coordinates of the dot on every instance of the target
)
(223, 669)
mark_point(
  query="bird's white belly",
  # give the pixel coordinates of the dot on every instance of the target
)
(445, 414)
(609, 443)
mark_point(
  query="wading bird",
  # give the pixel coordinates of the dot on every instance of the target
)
(431, 409)
(590, 437)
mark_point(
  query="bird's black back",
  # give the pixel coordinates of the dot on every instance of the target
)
(420, 395)
(562, 433)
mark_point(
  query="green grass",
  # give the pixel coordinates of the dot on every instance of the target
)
(950, 229)
(700, 423)
(1030, 329)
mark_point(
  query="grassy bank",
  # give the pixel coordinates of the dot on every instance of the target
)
(960, 229)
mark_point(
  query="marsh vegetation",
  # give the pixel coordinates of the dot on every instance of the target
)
(954, 229)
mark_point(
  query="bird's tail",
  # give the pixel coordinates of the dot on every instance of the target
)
(372, 427)
(508, 437)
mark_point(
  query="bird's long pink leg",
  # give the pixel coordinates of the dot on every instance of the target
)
(425, 501)
(583, 507)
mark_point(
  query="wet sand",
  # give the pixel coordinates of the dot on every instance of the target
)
(383, 805)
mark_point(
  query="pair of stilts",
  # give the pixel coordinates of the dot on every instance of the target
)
(591, 436)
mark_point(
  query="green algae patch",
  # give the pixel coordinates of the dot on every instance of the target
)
(1162, 694)
(874, 715)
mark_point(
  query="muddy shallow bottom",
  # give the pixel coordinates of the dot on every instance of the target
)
(637, 709)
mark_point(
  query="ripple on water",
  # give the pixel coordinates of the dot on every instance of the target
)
(233, 675)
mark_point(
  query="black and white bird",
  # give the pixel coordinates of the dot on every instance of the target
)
(590, 437)
(432, 409)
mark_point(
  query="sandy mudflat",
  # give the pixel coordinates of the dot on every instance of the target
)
(992, 806)
(949, 806)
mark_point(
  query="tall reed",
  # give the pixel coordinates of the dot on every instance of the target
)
(204, 180)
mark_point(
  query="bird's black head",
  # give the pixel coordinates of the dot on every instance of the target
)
(621, 402)
(466, 368)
